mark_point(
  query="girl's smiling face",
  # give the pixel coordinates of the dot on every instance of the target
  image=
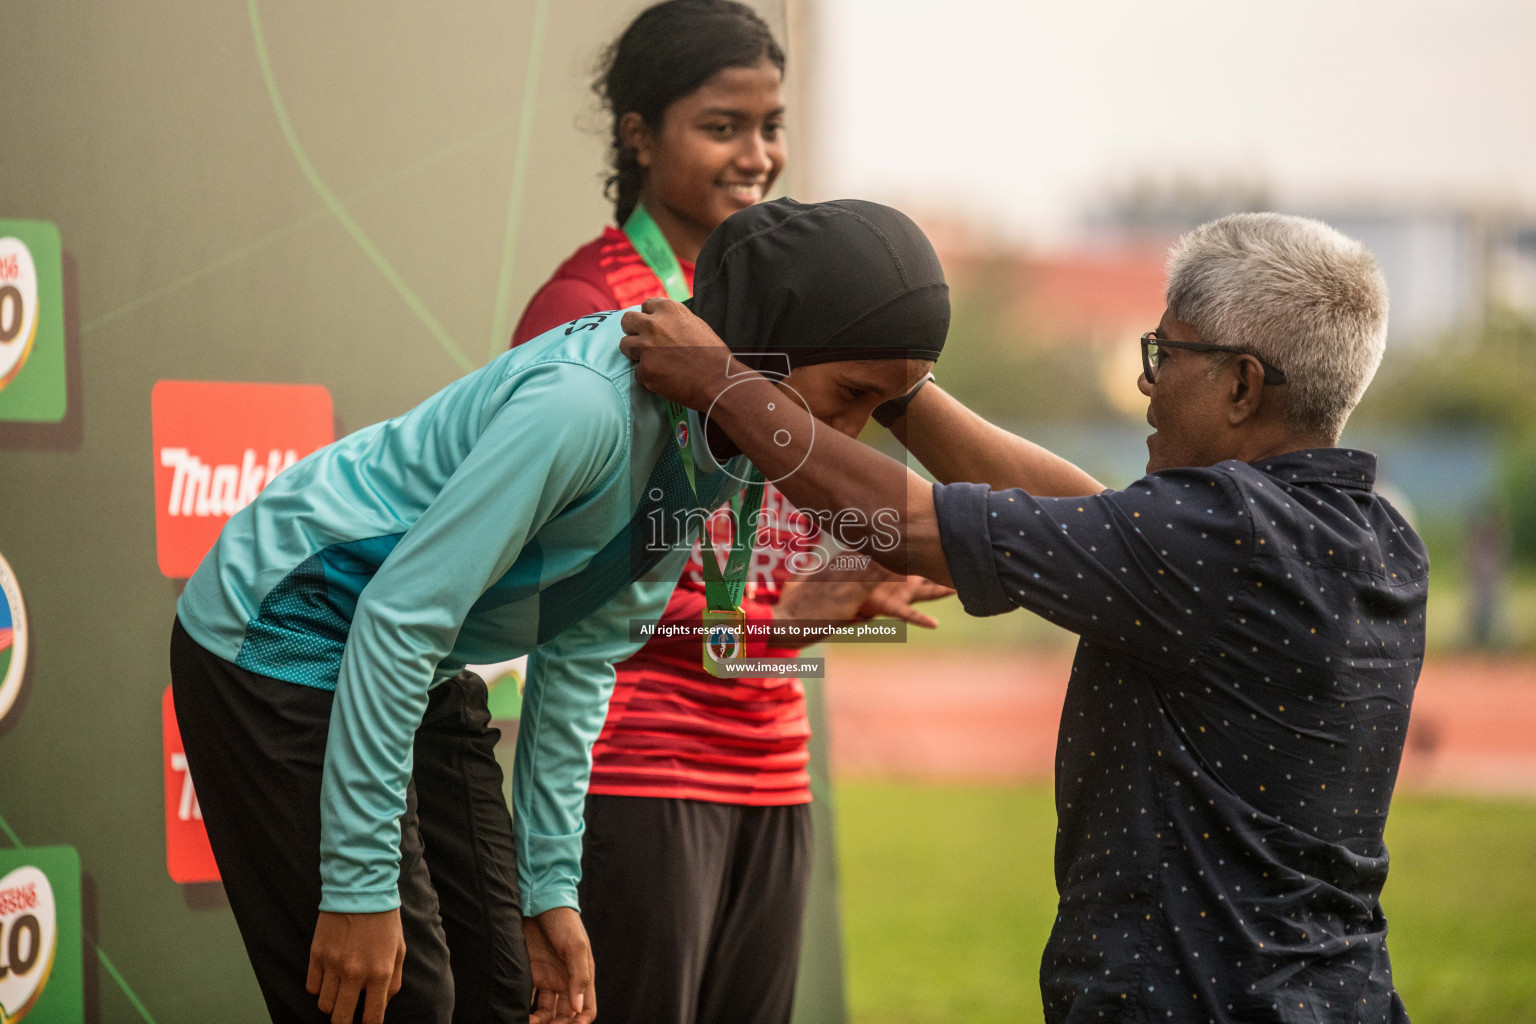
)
(717, 150)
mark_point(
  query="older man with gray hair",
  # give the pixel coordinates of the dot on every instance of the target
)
(1251, 616)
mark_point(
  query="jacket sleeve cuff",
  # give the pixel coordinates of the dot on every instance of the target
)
(536, 903)
(965, 533)
(353, 901)
(549, 868)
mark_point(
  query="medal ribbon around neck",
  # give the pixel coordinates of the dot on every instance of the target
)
(723, 589)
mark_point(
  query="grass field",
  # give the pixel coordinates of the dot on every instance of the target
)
(948, 899)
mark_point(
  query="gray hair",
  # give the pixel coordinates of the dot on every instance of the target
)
(1294, 292)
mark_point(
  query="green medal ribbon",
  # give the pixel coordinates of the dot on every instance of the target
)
(657, 253)
(723, 589)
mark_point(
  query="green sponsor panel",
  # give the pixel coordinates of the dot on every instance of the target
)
(42, 978)
(33, 388)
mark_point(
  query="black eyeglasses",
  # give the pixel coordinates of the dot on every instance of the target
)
(1151, 356)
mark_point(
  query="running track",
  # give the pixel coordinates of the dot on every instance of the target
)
(992, 716)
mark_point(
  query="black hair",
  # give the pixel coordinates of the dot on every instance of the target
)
(667, 52)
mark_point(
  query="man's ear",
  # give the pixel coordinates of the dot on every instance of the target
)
(637, 136)
(1245, 389)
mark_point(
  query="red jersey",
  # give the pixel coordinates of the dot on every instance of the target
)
(674, 730)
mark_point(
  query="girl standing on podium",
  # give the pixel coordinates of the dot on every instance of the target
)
(697, 853)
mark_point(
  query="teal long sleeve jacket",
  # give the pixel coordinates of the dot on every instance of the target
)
(536, 506)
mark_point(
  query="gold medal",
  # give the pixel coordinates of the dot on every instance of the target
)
(724, 638)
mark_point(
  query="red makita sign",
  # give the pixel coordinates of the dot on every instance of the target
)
(216, 446)
(188, 857)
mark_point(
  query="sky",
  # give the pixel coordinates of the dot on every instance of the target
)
(1020, 116)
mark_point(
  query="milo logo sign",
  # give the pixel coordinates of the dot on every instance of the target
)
(40, 969)
(32, 378)
(18, 307)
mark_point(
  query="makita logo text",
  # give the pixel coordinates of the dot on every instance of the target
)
(201, 489)
(216, 445)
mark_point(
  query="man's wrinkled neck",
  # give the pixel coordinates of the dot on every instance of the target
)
(1279, 439)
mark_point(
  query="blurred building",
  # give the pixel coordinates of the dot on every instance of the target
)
(1096, 297)
(1065, 320)
(1448, 265)
(1057, 329)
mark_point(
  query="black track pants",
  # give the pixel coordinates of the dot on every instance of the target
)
(694, 909)
(255, 748)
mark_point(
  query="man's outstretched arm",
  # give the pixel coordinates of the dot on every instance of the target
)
(958, 446)
(867, 500)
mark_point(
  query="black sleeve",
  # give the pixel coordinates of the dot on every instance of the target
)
(1149, 570)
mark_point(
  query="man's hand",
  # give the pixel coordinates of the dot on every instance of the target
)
(356, 955)
(680, 358)
(894, 600)
(560, 960)
(868, 592)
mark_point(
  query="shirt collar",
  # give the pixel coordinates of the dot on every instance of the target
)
(1341, 467)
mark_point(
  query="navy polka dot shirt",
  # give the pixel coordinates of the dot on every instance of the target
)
(1251, 635)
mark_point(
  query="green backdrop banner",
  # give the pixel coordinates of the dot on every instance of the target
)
(354, 196)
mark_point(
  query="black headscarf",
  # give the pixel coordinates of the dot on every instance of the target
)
(822, 282)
